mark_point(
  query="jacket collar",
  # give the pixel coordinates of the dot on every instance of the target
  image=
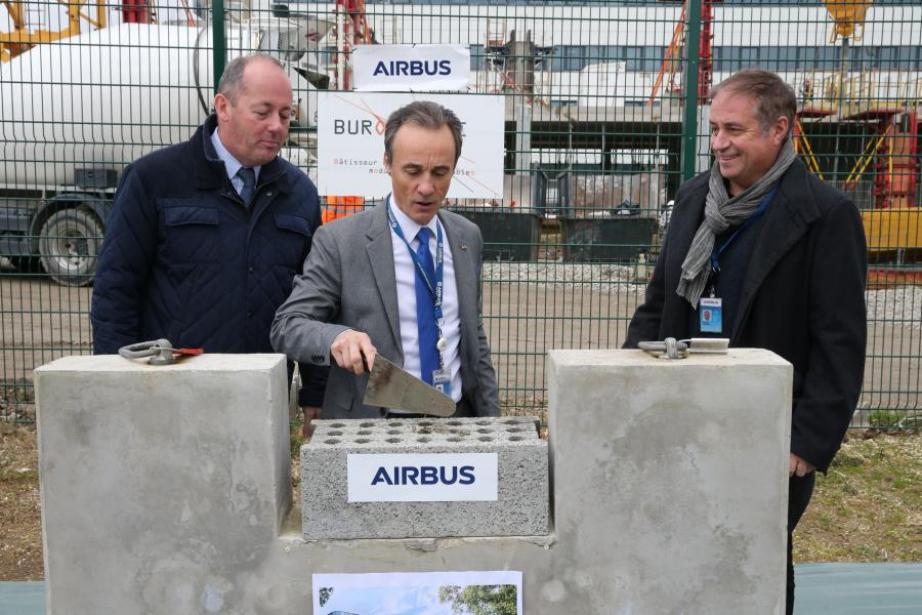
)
(381, 261)
(787, 220)
(209, 171)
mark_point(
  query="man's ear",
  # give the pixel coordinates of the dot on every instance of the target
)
(387, 164)
(221, 104)
(781, 129)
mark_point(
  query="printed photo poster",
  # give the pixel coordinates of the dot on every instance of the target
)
(350, 143)
(418, 593)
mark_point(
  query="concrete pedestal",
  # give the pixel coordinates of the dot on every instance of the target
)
(680, 470)
(163, 488)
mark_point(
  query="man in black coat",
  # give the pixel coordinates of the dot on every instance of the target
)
(760, 251)
(205, 237)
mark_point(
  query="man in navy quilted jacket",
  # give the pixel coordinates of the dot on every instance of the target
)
(205, 237)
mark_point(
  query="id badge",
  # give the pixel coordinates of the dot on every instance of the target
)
(710, 315)
(441, 380)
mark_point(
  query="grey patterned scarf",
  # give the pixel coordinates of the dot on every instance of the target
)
(720, 213)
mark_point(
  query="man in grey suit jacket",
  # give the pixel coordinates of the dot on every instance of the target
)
(377, 282)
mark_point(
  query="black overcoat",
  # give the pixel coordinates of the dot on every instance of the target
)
(802, 298)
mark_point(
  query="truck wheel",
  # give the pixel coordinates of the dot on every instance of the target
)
(68, 244)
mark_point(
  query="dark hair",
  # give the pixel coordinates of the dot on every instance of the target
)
(423, 113)
(774, 98)
(231, 82)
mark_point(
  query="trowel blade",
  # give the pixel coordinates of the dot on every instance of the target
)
(392, 387)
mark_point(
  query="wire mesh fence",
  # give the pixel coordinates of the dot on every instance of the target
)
(604, 117)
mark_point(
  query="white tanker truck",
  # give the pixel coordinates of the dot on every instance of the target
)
(74, 113)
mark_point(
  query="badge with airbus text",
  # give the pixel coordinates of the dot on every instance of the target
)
(441, 380)
(710, 315)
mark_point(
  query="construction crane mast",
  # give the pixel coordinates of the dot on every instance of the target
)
(892, 149)
(669, 70)
(351, 30)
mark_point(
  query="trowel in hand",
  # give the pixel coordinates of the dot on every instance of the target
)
(392, 387)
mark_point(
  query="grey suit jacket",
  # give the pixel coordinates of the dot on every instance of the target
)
(349, 282)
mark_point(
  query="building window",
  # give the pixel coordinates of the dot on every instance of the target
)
(476, 57)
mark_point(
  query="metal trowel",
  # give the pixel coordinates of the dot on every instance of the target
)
(392, 387)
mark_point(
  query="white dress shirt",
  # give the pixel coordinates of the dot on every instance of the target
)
(405, 274)
(231, 164)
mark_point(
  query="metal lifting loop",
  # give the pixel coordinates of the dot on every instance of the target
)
(667, 349)
(160, 351)
(671, 348)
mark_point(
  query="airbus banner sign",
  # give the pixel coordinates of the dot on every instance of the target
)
(433, 477)
(350, 143)
(410, 68)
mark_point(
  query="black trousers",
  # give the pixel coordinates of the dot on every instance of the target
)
(799, 492)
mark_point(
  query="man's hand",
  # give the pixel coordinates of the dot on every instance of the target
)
(799, 467)
(353, 350)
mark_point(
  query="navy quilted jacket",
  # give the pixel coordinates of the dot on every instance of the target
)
(185, 260)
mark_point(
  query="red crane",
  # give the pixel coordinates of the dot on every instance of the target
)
(351, 30)
(673, 56)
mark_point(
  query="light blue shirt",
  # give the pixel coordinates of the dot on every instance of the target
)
(231, 164)
(405, 276)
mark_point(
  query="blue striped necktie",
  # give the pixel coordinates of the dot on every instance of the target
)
(425, 308)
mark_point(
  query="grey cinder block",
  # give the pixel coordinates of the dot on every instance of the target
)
(521, 507)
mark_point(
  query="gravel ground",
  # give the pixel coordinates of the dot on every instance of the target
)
(901, 305)
(603, 278)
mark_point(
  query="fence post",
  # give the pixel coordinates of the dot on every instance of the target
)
(219, 51)
(690, 123)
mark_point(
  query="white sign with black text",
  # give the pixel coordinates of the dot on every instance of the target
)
(410, 68)
(422, 477)
(350, 143)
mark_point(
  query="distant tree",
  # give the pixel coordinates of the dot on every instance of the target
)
(325, 593)
(480, 599)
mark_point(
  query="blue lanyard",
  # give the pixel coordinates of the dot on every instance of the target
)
(763, 206)
(434, 286)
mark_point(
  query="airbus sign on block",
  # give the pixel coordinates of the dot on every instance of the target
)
(433, 477)
(411, 68)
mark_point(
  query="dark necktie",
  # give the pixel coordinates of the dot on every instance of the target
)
(425, 308)
(248, 175)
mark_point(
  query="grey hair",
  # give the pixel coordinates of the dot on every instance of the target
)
(426, 114)
(773, 97)
(231, 83)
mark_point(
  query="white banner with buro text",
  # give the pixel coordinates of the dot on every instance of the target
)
(350, 143)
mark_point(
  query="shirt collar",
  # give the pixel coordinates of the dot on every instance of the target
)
(231, 164)
(409, 227)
